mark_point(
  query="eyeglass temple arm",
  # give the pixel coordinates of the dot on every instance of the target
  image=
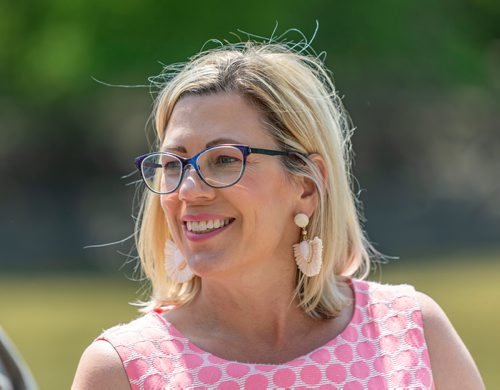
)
(274, 152)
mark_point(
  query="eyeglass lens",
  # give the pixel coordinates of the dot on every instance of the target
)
(218, 167)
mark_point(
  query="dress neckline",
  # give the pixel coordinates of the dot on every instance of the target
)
(352, 283)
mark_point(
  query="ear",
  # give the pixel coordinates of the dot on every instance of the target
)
(309, 196)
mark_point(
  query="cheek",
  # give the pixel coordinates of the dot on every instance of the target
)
(169, 205)
(272, 200)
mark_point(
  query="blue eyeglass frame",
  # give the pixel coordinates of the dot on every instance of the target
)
(185, 162)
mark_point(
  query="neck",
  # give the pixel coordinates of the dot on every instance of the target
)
(233, 319)
(248, 306)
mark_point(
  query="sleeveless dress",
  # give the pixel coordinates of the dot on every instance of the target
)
(383, 347)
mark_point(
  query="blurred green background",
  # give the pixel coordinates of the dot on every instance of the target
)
(420, 79)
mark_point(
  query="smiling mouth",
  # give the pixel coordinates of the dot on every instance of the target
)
(202, 227)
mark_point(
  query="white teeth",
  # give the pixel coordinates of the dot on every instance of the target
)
(204, 226)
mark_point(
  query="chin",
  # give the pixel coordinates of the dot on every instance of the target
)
(204, 265)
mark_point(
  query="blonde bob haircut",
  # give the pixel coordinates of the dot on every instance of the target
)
(301, 110)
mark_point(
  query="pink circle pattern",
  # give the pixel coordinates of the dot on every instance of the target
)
(383, 347)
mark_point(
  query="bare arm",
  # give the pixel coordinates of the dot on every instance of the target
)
(100, 368)
(452, 364)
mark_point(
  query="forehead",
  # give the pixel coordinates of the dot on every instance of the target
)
(198, 120)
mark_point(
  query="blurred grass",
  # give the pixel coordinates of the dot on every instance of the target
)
(52, 319)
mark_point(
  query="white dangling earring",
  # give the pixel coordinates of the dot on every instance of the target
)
(175, 265)
(308, 253)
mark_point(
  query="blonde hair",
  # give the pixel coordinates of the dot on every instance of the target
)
(302, 112)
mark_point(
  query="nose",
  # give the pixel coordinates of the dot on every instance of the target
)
(193, 187)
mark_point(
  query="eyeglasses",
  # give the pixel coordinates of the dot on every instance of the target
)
(219, 166)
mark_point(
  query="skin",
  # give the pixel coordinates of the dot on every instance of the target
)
(243, 311)
(452, 365)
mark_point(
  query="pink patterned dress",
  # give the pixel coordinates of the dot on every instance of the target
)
(383, 347)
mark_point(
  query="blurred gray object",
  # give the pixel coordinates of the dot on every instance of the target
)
(14, 373)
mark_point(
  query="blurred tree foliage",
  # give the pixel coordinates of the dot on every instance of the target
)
(422, 82)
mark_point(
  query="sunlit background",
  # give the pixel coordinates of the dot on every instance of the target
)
(421, 81)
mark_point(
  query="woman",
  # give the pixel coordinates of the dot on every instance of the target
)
(250, 237)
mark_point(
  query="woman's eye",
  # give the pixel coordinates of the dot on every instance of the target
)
(227, 160)
(171, 165)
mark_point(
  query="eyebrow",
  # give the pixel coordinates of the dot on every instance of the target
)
(217, 141)
(220, 141)
(180, 149)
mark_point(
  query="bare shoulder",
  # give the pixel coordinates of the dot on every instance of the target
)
(100, 367)
(452, 365)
